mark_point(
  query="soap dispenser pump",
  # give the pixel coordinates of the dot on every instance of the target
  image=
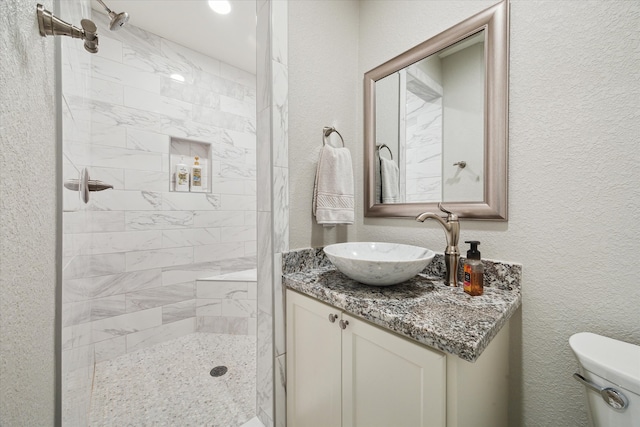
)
(473, 270)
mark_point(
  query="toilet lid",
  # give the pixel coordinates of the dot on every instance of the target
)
(613, 360)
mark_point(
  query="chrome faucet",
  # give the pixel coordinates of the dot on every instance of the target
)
(452, 232)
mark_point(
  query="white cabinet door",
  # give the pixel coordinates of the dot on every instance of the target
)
(388, 381)
(313, 363)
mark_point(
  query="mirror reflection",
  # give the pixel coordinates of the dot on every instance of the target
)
(429, 127)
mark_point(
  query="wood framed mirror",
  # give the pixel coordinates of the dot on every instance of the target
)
(436, 124)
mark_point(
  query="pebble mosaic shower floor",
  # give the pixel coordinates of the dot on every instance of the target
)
(169, 384)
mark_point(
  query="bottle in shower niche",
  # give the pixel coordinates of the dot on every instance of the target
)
(196, 175)
(473, 270)
(182, 176)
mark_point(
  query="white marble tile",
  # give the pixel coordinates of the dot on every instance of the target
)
(190, 237)
(125, 75)
(106, 91)
(237, 75)
(100, 330)
(74, 336)
(110, 349)
(125, 324)
(237, 106)
(189, 272)
(218, 218)
(227, 151)
(238, 234)
(155, 64)
(160, 296)
(223, 325)
(240, 139)
(228, 185)
(232, 202)
(280, 116)
(191, 93)
(280, 209)
(93, 265)
(106, 285)
(93, 221)
(252, 290)
(219, 85)
(208, 307)
(101, 243)
(113, 157)
(146, 220)
(237, 170)
(265, 263)
(279, 31)
(149, 337)
(143, 260)
(178, 311)
(124, 200)
(239, 308)
(155, 103)
(265, 361)
(208, 289)
(86, 311)
(112, 114)
(264, 158)
(142, 140)
(77, 358)
(190, 201)
(212, 117)
(250, 248)
(146, 180)
(178, 54)
(279, 316)
(110, 48)
(281, 391)
(218, 251)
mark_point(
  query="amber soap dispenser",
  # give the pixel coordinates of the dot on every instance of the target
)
(473, 270)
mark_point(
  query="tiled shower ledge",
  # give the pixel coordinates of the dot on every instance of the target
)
(423, 309)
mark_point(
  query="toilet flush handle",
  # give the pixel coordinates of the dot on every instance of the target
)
(614, 398)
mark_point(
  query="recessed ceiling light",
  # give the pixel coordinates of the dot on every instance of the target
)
(177, 77)
(220, 6)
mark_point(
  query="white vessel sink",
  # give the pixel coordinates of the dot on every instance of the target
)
(378, 264)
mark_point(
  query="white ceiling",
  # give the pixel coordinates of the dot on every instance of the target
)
(230, 38)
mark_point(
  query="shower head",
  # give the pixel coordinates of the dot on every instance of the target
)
(117, 19)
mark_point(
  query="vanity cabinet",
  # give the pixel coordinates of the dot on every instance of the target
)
(344, 371)
(359, 376)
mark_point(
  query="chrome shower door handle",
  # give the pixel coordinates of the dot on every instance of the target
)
(612, 397)
(85, 185)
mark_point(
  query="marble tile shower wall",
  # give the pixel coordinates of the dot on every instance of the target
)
(133, 254)
(424, 155)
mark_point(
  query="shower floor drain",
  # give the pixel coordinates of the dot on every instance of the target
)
(218, 371)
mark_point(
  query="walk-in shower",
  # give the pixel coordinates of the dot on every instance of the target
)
(159, 286)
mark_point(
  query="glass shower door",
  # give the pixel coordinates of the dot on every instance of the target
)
(141, 331)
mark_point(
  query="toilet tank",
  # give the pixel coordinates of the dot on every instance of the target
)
(609, 363)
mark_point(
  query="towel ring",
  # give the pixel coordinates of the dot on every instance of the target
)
(381, 146)
(328, 131)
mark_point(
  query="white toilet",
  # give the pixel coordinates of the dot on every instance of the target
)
(611, 374)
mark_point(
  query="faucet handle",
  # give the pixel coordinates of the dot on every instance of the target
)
(450, 215)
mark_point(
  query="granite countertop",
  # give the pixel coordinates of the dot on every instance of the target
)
(423, 309)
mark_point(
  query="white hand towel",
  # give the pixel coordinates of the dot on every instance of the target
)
(389, 175)
(333, 192)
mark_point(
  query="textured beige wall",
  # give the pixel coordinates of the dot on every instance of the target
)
(323, 63)
(28, 212)
(573, 177)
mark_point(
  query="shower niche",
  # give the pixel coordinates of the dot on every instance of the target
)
(182, 159)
